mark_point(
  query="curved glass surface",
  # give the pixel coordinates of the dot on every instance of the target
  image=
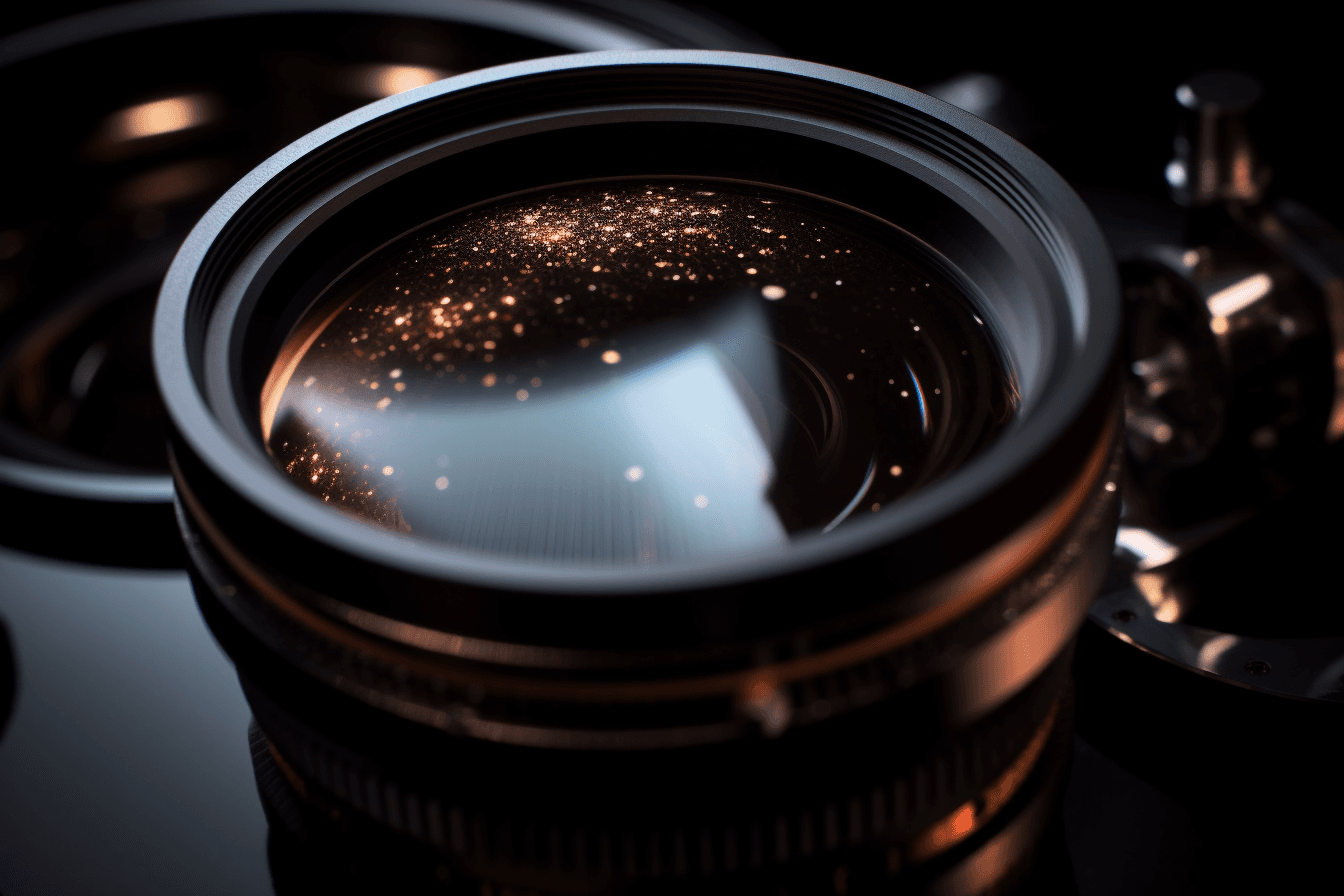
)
(634, 372)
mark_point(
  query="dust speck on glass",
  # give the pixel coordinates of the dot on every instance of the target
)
(635, 372)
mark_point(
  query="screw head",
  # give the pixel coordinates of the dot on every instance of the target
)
(1257, 667)
(1123, 615)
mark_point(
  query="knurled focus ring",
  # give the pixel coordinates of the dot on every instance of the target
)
(911, 814)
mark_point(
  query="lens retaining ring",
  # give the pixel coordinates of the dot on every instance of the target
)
(1014, 233)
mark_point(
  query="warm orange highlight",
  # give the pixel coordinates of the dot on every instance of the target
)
(965, 819)
(287, 770)
(950, 830)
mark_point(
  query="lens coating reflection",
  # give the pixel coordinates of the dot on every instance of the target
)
(634, 373)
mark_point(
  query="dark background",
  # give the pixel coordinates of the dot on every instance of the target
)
(1098, 77)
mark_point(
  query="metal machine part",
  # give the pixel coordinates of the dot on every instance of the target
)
(1215, 159)
(1235, 396)
(1236, 335)
(1170, 608)
(159, 113)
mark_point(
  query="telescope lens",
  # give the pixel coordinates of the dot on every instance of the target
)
(635, 372)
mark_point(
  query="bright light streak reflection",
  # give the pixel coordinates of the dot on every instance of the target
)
(1151, 550)
(389, 80)
(919, 394)
(1228, 301)
(160, 117)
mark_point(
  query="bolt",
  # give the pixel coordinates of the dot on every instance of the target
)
(1123, 615)
(1257, 667)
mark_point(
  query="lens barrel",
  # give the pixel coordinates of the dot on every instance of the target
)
(930, 639)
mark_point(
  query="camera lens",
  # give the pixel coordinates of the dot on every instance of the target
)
(634, 373)
(550, 423)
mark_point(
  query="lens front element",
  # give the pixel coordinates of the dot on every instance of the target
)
(633, 373)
